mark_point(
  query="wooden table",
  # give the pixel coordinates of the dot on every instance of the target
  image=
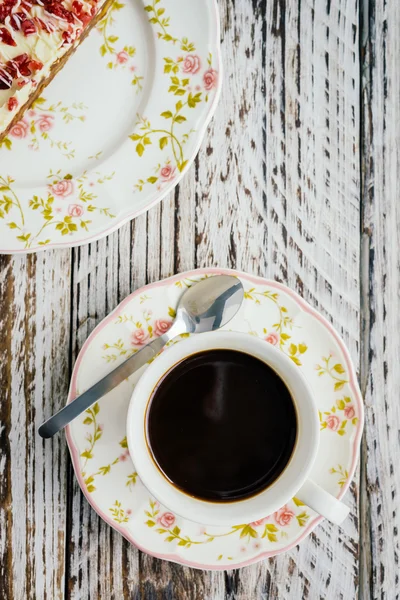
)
(297, 179)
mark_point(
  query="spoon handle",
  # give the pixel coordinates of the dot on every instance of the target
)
(102, 387)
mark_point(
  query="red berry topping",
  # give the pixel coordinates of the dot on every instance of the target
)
(6, 37)
(26, 6)
(77, 7)
(12, 103)
(16, 20)
(28, 27)
(67, 36)
(5, 9)
(85, 18)
(35, 65)
(57, 9)
(18, 66)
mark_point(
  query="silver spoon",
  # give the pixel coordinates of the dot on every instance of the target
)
(206, 306)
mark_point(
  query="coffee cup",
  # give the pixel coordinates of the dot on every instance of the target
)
(291, 480)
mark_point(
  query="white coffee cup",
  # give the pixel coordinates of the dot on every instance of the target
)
(294, 479)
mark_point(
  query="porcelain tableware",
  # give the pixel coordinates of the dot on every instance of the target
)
(97, 440)
(293, 481)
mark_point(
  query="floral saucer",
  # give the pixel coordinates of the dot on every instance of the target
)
(116, 129)
(97, 440)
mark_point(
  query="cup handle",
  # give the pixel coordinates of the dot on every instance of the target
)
(322, 502)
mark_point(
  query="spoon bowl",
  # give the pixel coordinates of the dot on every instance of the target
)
(210, 304)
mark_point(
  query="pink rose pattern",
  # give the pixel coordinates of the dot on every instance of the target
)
(191, 64)
(161, 326)
(167, 172)
(349, 412)
(139, 337)
(332, 422)
(273, 338)
(20, 129)
(62, 188)
(283, 516)
(75, 210)
(45, 123)
(122, 57)
(167, 520)
(210, 79)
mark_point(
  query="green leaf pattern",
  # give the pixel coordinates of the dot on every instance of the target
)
(121, 57)
(190, 81)
(57, 215)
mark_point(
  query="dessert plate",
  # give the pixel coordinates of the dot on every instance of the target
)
(97, 440)
(116, 129)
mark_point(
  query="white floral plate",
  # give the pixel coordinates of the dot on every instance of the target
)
(97, 440)
(116, 129)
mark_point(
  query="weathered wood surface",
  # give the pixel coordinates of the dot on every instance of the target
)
(275, 190)
(380, 504)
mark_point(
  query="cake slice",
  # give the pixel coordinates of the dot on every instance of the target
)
(36, 39)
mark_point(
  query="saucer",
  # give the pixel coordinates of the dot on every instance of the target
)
(97, 440)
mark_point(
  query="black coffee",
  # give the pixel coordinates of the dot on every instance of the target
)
(221, 425)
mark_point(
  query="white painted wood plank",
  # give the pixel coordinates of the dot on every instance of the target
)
(380, 512)
(34, 367)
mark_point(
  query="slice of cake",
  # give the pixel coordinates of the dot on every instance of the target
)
(36, 39)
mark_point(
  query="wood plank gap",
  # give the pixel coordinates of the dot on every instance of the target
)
(69, 471)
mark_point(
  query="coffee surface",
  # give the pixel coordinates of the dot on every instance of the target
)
(221, 425)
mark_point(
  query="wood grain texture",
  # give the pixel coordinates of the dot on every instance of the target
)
(275, 190)
(34, 367)
(380, 569)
